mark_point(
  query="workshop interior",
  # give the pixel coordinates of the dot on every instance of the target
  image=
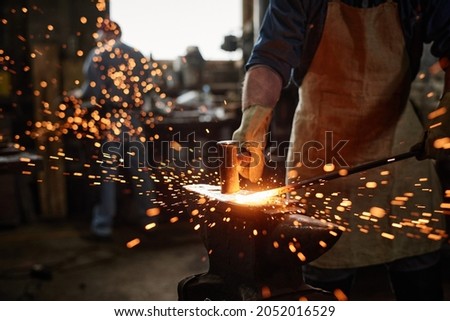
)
(210, 233)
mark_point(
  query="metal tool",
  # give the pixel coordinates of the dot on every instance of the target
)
(414, 152)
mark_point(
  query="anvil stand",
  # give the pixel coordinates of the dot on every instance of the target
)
(255, 252)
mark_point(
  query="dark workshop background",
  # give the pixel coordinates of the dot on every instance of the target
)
(47, 189)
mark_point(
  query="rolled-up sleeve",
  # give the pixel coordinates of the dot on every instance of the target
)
(281, 37)
(437, 27)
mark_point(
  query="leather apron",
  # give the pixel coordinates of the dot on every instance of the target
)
(353, 99)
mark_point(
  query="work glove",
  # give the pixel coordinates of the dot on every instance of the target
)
(437, 140)
(252, 137)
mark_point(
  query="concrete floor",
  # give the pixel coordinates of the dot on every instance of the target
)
(50, 261)
(82, 270)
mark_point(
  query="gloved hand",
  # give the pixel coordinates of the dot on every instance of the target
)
(437, 141)
(251, 134)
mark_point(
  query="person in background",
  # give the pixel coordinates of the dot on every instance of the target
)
(354, 62)
(116, 78)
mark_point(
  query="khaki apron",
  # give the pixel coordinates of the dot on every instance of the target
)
(355, 92)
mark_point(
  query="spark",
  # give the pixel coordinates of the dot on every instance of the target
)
(434, 237)
(437, 113)
(292, 248)
(154, 211)
(265, 292)
(387, 235)
(378, 212)
(340, 295)
(301, 256)
(150, 226)
(133, 243)
(371, 185)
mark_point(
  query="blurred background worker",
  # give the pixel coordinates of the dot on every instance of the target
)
(354, 63)
(116, 76)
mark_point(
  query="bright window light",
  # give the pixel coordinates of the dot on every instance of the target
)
(165, 28)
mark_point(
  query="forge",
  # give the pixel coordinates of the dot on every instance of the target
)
(256, 246)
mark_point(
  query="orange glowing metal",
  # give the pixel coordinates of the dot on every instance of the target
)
(256, 198)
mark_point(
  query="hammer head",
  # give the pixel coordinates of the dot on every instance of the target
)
(229, 171)
(235, 162)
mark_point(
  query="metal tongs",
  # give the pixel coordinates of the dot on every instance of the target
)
(415, 151)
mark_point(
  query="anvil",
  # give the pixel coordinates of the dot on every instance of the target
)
(256, 250)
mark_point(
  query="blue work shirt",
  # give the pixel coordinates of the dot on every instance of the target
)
(291, 31)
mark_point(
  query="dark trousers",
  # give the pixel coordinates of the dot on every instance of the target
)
(412, 279)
